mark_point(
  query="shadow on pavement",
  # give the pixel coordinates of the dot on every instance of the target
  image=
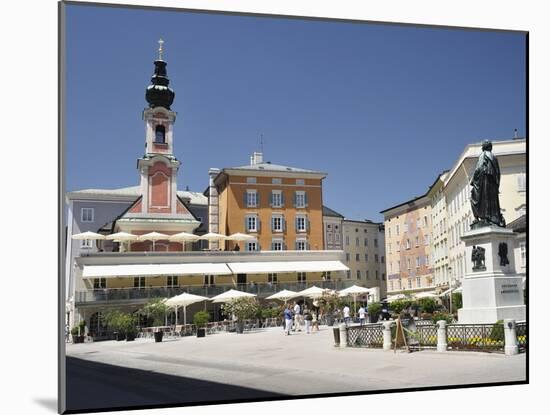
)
(95, 386)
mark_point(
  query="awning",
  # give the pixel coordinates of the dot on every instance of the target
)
(456, 289)
(142, 270)
(290, 266)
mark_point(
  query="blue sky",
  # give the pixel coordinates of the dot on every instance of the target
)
(381, 108)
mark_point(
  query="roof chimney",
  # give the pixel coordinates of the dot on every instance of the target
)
(256, 158)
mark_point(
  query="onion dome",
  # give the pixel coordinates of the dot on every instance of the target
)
(158, 94)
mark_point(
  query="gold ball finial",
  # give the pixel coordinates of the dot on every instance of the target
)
(161, 42)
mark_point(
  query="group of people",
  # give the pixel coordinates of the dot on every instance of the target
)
(296, 317)
(361, 313)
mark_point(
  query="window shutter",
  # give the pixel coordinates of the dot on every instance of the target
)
(305, 198)
(272, 246)
(272, 224)
(245, 200)
(246, 224)
(294, 198)
(282, 199)
(258, 199)
(307, 225)
(271, 199)
(258, 223)
(295, 245)
(283, 223)
(296, 224)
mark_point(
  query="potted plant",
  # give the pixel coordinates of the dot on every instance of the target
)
(201, 319)
(156, 310)
(128, 323)
(114, 321)
(242, 308)
(77, 332)
(373, 310)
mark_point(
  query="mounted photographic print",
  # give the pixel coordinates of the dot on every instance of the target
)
(264, 208)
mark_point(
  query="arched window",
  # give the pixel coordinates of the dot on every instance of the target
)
(160, 134)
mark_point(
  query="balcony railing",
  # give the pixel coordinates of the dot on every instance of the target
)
(142, 294)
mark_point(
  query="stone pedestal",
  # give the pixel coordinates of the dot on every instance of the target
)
(494, 291)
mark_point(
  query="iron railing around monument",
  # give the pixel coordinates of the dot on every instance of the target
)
(427, 335)
(368, 335)
(521, 336)
(477, 337)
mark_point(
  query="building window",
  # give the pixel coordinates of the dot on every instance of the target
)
(301, 277)
(367, 274)
(325, 276)
(382, 259)
(427, 260)
(357, 257)
(417, 262)
(405, 227)
(398, 265)
(397, 229)
(272, 278)
(301, 224)
(276, 180)
(408, 244)
(347, 240)
(160, 134)
(252, 246)
(391, 285)
(409, 283)
(300, 199)
(252, 223)
(523, 253)
(209, 280)
(172, 281)
(276, 199)
(87, 215)
(377, 276)
(417, 223)
(389, 248)
(356, 241)
(347, 257)
(416, 241)
(366, 242)
(348, 274)
(427, 239)
(366, 257)
(139, 282)
(251, 180)
(301, 245)
(300, 182)
(329, 237)
(376, 242)
(277, 223)
(408, 263)
(425, 221)
(277, 245)
(397, 243)
(375, 257)
(522, 182)
(252, 199)
(100, 283)
(358, 274)
(86, 243)
(418, 282)
(389, 232)
(337, 237)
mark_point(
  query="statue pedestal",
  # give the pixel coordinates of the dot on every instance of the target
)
(493, 292)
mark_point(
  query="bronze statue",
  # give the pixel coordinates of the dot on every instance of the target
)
(478, 258)
(485, 183)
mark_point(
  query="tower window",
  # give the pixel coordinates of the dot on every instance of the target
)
(160, 134)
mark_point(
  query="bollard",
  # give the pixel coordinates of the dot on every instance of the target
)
(386, 333)
(336, 333)
(343, 335)
(441, 336)
(510, 338)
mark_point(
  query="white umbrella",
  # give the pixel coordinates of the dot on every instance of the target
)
(426, 294)
(284, 295)
(184, 300)
(88, 236)
(311, 292)
(121, 237)
(353, 291)
(183, 237)
(396, 297)
(213, 237)
(230, 296)
(239, 237)
(153, 236)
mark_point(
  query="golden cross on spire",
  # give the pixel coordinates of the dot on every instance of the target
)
(160, 48)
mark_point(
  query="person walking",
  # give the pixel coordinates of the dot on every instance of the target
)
(307, 319)
(362, 314)
(314, 320)
(346, 314)
(297, 318)
(288, 320)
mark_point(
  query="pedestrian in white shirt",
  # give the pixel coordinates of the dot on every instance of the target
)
(346, 315)
(362, 314)
(297, 318)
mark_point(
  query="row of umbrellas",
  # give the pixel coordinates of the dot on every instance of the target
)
(156, 236)
(186, 299)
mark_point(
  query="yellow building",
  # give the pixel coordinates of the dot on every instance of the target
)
(408, 230)
(280, 206)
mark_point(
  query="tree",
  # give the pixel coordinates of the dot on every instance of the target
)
(155, 309)
(242, 308)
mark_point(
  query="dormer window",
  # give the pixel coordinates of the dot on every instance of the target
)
(160, 134)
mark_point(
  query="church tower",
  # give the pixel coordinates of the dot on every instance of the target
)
(158, 209)
(158, 167)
